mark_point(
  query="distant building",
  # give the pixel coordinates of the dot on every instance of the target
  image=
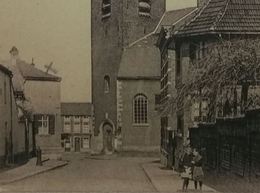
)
(115, 25)
(77, 123)
(14, 137)
(43, 92)
(77, 126)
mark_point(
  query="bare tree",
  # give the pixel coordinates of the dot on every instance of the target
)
(226, 67)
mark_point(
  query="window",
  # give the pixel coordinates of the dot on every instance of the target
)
(85, 125)
(197, 51)
(180, 124)
(140, 109)
(44, 124)
(106, 84)
(144, 8)
(200, 110)
(106, 9)
(67, 124)
(85, 143)
(76, 126)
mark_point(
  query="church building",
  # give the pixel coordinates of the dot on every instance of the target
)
(123, 90)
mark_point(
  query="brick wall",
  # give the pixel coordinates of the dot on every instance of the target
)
(139, 137)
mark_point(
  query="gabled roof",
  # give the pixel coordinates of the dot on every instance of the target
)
(170, 18)
(173, 18)
(30, 72)
(141, 59)
(225, 16)
(76, 109)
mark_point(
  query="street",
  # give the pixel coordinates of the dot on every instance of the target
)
(120, 174)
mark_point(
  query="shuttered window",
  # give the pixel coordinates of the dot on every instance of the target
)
(144, 8)
(44, 124)
(51, 124)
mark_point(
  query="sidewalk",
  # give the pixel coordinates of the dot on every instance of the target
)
(28, 170)
(168, 181)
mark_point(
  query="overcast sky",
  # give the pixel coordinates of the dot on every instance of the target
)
(58, 31)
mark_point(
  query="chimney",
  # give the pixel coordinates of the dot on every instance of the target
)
(14, 55)
(201, 3)
(32, 62)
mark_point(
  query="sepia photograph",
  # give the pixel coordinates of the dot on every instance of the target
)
(130, 96)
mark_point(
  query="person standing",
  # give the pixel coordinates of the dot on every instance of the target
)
(186, 168)
(197, 173)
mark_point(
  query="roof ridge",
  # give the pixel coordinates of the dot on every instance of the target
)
(35, 68)
(140, 39)
(219, 18)
(158, 25)
(188, 14)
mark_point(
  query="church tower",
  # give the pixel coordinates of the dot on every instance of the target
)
(114, 25)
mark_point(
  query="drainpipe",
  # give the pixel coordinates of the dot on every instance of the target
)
(11, 108)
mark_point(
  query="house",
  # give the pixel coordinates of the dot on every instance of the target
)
(77, 126)
(42, 90)
(171, 22)
(14, 143)
(215, 21)
(116, 25)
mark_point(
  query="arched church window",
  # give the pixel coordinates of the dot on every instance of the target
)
(144, 8)
(140, 110)
(106, 84)
(106, 9)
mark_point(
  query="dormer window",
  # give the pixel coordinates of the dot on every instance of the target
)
(144, 8)
(106, 9)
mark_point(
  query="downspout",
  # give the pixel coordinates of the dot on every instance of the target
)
(11, 108)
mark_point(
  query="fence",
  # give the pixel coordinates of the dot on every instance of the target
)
(231, 144)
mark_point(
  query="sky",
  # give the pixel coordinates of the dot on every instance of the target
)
(55, 31)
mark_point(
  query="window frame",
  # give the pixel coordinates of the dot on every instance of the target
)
(140, 111)
(43, 130)
(144, 10)
(106, 9)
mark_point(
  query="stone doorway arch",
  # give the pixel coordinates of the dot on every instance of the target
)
(108, 138)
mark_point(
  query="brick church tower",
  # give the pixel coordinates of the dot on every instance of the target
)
(114, 25)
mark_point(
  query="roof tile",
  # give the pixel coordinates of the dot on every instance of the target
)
(238, 16)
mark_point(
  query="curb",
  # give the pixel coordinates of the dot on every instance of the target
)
(148, 176)
(34, 174)
(211, 190)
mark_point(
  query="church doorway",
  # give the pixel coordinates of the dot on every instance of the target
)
(108, 138)
(77, 144)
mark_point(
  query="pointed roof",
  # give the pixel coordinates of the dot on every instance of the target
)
(225, 16)
(30, 72)
(140, 61)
